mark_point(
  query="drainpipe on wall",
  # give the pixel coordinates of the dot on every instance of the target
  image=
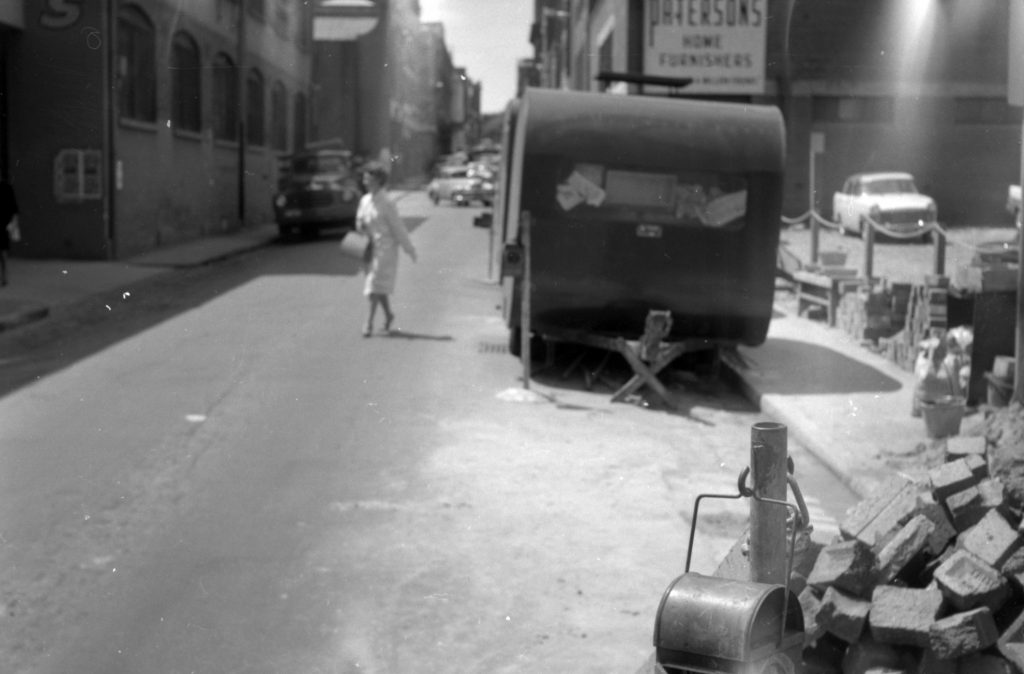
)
(109, 112)
(242, 108)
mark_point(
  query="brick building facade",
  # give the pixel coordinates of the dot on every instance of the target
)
(127, 125)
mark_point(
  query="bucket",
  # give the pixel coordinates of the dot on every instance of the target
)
(942, 417)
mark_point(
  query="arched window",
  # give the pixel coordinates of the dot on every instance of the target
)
(254, 121)
(225, 98)
(185, 109)
(136, 64)
(299, 123)
(278, 117)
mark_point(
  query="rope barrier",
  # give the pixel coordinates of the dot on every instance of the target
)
(882, 229)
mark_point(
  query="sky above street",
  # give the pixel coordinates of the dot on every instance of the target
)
(487, 38)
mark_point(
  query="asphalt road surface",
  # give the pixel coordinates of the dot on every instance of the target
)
(221, 475)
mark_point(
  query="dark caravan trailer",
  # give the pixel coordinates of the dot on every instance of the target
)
(636, 205)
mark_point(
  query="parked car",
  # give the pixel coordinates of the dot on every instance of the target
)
(462, 185)
(891, 199)
(317, 189)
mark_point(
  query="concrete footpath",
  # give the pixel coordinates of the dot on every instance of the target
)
(848, 406)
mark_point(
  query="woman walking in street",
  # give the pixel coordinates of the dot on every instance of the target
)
(378, 217)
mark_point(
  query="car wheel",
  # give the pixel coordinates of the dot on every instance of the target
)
(843, 231)
(515, 341)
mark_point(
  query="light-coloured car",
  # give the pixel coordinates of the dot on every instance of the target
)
(890, 199)
(1013, 202)
(461, 185)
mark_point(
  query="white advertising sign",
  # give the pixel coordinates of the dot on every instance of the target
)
(719, 44)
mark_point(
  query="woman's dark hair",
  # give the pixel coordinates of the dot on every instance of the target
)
(377, 171)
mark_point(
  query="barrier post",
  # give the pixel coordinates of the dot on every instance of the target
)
(524, 319)
(817, 146)
(939, 262)
(815, 237)
(768, 469)
(490, 252)
(869, 252)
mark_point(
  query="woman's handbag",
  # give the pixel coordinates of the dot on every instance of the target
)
(356, 245)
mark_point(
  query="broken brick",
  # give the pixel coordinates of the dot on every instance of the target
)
(993, 493)
(966, 508)
(904, 547)
(902, 615)
(963, 633)
(978, 465)
(992, 540)
(967, 583)
(1014, 565)
(961, 446)
(883, 512)
(950, 478)
(1014, 652)
(811, 605)
(843, 616)
(1011, 642)
(944, 531)
(847, 565)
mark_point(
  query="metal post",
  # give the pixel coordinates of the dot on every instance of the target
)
(1018, 350)
(241, 86)
(939, 263)
(869, 253)
(768, 540)
(815, 234)
(490, 250)
(110, 114)
(527, 290)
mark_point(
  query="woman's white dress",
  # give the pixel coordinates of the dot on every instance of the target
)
(378, 217)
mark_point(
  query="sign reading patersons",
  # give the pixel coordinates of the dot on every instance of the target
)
(719, 44)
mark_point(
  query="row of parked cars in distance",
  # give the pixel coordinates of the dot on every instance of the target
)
(319, 189)
(464, 184)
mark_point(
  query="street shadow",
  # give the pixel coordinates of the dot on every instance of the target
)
(77, 330)
(805, 368)
(405, 334)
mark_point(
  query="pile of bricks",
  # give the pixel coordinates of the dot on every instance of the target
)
(873, 313)
(926, 577)
(925, 312)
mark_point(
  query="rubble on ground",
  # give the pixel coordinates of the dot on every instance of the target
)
(927, 575)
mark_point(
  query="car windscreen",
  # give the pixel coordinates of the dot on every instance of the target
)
(592, 191)
(889, 186)
(310, 165)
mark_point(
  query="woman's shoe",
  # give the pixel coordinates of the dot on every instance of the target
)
(367, 331)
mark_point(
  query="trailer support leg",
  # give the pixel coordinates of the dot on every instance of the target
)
(647, 374)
